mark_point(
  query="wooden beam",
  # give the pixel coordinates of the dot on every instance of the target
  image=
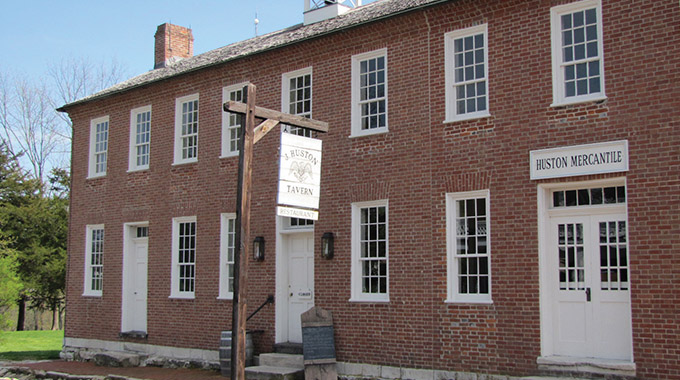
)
(242, 238)
(263, 128)
(265, 113)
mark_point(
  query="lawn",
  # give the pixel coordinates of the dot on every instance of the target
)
(25, 345)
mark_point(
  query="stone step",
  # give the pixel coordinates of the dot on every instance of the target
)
(288, 348)
(263, 372)
(116, 359)
(282, 360)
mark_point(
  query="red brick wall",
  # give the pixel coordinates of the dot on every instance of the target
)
(413, 166)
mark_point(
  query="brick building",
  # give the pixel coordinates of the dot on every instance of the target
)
(502, 179)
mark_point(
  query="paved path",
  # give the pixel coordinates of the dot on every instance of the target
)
(87, 368)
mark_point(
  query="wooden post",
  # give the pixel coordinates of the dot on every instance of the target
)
(248, 137)
(242, 238)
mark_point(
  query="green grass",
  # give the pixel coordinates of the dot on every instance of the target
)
(26, 345)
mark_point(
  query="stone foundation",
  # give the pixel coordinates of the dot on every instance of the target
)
(125, 354)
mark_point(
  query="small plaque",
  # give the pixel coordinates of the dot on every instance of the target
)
(318, 341)
(318, 344)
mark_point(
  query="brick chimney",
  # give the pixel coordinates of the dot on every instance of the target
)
(173, 42)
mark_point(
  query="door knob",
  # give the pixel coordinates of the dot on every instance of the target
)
(588, 294)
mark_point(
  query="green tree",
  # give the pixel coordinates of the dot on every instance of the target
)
(48, 279)
(10, 285)
(18, 193)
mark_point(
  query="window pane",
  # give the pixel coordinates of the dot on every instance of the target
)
(373, 227)
(472, 246)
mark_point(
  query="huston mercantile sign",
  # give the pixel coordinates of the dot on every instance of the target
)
(299, 176)
(608, 157)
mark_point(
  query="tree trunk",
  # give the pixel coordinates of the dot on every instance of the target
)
(55, 309)
(21, 318)
(37, 316)
(61, 317)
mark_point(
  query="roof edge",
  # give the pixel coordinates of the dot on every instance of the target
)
(95, 97)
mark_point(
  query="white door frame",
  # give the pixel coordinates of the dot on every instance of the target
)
(129, 230)
(544, 241)
(281, 295)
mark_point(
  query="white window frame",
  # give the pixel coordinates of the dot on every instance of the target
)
(559, 97)
(174, 290)
(226, 237)
(453, 295)
(452, 114)
(132, 162)
(92, 162)
(178, 129)
(357, 273)
(227, 118)
(285, 97)
(356, 106)
(87, 284)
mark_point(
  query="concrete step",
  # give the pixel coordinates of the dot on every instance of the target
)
(263, 372)
(282, 360)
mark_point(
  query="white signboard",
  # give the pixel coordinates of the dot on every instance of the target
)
(299, 171)
(293, 212)
(609, 157)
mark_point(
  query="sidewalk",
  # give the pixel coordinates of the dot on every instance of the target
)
(85, 370)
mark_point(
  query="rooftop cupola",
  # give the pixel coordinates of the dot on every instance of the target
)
(319, 10)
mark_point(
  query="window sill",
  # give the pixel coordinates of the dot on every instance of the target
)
(96, 176)
(577, 101)
(182, 296)
(369, 300)
(370, 132)
(467, 117)
(470, 302)
(228, 298)
(184, 162)
(92, 295)
(229, 155)
(138, 170)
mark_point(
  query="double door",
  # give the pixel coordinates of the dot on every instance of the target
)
(590, 286)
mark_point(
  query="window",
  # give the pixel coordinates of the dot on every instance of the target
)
(370, 252)
(183, 257)
(469, 254)
(99, 144)
(296, 98)
(577, 52)
(94, 260)
(142, 232)
(227, 244)
(300, 223)
(231, 122)
(186, 129)
(140, 138)
(466, 74)
(369, 93)
(589, 196)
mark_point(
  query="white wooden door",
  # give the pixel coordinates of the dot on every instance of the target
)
(140, 287)
(591, 300)
(300, 252)
(135, 297)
